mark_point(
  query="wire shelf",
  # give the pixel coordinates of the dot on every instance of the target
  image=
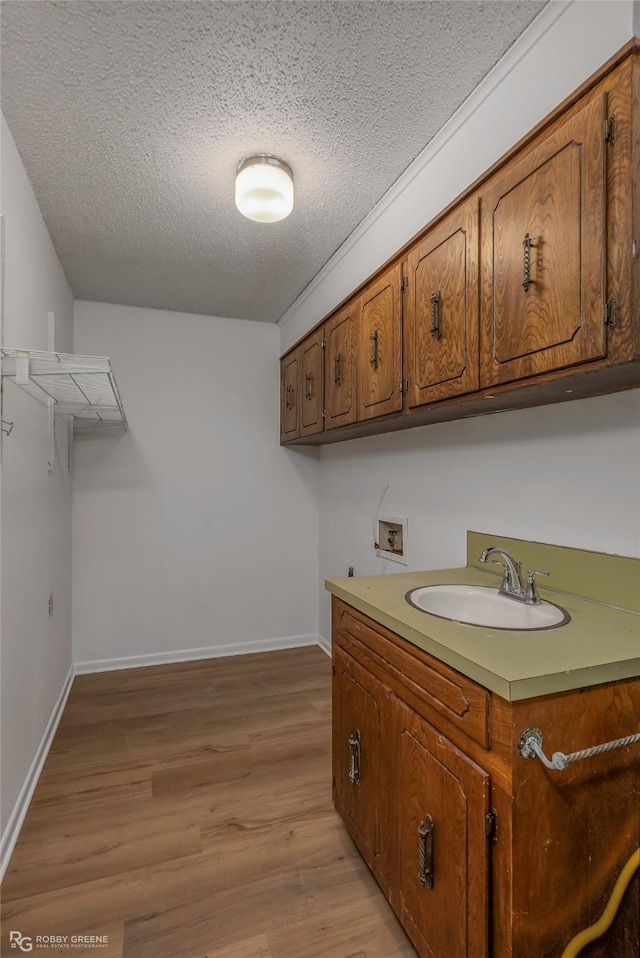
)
(81, 387)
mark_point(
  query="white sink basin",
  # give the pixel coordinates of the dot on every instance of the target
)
(480, 605)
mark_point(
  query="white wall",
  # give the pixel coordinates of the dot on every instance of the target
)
(193, 530)
(35, 507)
(568, 473)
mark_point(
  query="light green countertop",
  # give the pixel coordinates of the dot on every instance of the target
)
(600, 644)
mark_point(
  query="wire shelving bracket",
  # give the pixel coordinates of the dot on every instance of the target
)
(83, 388)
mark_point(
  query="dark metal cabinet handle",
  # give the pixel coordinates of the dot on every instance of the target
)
(373, 349)
(436, 318)
(354, 757)
(337, 369)
(307, 385)
(425, 852)
(289, 397)
(527, 243)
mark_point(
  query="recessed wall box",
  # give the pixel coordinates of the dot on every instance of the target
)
(391, 542)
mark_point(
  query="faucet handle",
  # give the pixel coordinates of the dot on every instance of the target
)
(531, 593)
(506, 579)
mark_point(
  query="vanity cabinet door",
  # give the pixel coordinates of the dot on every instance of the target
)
(543, 235)
(379, 347)
(311, 384)
(441, 873)
(356, 751)
(441, 310)
(289, 390)
(340, 369)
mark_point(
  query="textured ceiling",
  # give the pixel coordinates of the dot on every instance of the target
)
(131, 116)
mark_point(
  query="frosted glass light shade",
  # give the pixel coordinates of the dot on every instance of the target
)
(264, 188)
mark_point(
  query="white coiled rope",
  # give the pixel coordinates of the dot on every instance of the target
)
(531, 745)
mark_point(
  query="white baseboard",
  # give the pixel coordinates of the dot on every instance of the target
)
(11, 832)
(325, 645)
(190, 655)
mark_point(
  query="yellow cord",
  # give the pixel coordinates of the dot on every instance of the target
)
(583, 938)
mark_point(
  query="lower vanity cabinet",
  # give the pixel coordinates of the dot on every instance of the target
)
(481, 852)
(416, 806)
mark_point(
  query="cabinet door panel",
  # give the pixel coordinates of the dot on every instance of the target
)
(438, 784)
(289, 422)
(543, 226)
(339, 373)
(357, 758)
(441, 310)
(311, 385)
(379, 352)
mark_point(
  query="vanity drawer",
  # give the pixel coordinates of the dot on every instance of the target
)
(427, 684)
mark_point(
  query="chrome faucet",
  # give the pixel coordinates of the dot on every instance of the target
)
(511, 586)
(511, 582)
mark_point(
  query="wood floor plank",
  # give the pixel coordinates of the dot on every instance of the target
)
(359, 929)
(128, 895)
(149, 698)
(214, 918)
(202, 777)
(57, 862)
(185, 811)
(145, 740)
(257, 947)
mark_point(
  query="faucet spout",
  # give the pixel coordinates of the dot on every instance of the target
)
(511, 582)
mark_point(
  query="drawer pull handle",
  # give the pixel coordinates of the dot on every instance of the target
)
(307, 381)
(527, 243)
(373, 349)
(289, 397)
(354, 757)
(425, 852)
(436, 318)
(337, 369)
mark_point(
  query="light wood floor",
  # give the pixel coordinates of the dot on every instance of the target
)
(185, 811)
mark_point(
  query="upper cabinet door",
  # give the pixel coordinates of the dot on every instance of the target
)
(441, 310)
(543, 236)
(289, 422)
(339, 369)
(311, 384)
(379, 347)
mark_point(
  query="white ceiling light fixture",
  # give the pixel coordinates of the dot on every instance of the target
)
(264, 188)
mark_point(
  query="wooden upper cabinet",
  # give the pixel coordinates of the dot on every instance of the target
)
(311, 384)
(289, 389)
(379, 355)
(441, 310)
(525, 292)
(340, 368)
(543, 235)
